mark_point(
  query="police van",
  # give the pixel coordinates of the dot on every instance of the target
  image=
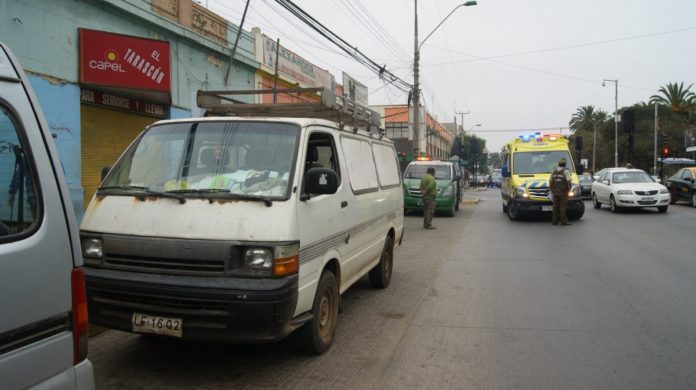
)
(527, 164)
(243, 228)
(448, 179)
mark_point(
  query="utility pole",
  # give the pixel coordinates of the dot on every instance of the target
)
(416, 87)
(616, 119)
(655, 139)
(462, 113)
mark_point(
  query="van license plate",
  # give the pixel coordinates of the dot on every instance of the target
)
(145, 323)
(546, 208)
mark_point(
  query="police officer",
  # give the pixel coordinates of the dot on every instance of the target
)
(428, 189)
(560, 183)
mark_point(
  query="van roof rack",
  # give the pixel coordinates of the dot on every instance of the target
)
(339, 109)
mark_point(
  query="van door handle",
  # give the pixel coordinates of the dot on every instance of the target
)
(344, 204)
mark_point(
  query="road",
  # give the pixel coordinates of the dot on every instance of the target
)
(479, 303)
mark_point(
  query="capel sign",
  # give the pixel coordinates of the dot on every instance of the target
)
(123, 61)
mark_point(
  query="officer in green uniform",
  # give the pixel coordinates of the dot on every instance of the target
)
(560, 184)
(428, 189)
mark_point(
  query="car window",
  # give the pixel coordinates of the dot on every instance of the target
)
(18, 207)
(686, 175)
(631, 177)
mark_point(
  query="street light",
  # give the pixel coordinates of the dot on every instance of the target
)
(476, 125)
(420, 139)
(616, 119)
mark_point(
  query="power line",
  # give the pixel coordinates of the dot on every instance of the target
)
(344, 45)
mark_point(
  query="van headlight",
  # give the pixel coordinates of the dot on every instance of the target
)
(448, 192)
(280, 260)
(92, 248)
(258, 258)
(520, 192)
(576, 190)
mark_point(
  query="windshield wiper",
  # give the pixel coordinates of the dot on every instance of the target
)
(144, 189)
(265, 199)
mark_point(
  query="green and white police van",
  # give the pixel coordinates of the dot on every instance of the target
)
(449, 186)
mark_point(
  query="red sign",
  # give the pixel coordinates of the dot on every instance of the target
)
(123, 61)
(121, 103)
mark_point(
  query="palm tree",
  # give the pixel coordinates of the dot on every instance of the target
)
(587, 119)
(680, 100)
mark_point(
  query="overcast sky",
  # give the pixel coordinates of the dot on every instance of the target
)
(513, 64)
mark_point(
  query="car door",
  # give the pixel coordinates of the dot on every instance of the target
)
(601, 188)
(685, 184)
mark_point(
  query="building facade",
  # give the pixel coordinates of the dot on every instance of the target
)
(103, 70)
(395, 120)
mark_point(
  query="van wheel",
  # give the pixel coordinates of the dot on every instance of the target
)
(693, 199)
(512, 212)
(316, 335)
(452, 210)
(380, 275)
(504, 209)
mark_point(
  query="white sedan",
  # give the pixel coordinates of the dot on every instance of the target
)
(629, 188)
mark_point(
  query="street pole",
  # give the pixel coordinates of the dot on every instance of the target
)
(616, 123)
(462, 113)
(655, 140)
(420, 136)
(594, 145)
(416, 86)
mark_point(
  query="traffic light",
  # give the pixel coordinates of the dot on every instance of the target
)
(665, 151)
(628, 120)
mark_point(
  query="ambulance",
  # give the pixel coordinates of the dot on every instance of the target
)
(527, 164)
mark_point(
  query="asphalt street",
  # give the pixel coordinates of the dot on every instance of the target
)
(479, 303)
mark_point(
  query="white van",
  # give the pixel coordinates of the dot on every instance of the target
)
(241, 229)
(43, 306)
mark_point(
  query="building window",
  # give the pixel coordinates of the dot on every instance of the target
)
(397, 130)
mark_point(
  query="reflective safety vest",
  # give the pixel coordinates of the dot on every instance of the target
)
(559, 184)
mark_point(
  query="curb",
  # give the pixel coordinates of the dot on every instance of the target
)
(469, 201)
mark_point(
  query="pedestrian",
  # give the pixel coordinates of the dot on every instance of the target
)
(428, 189)
(629, 166)
(560, 183)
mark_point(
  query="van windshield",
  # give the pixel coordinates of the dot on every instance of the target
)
(539, 162)
(244, 158)
(416, 171)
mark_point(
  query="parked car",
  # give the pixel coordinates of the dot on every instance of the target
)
(497, 177)
(682, 185)
(43, 320)
(623, 188)
(449, 186)
(586, 181)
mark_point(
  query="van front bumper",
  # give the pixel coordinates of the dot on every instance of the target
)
(536, 206)
(441, 204)
(228, 309)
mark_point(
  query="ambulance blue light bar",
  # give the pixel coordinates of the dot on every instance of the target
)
(538, 137)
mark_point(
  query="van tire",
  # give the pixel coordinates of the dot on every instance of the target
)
(452, 210)
(380, 275)
(512, 212)
(315, 337)
(504, 209)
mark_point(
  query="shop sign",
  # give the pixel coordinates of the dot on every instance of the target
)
(294, 66)
(123, 61)
(102, 99)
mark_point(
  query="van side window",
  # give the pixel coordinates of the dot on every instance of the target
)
(321, 153)
(18, 190)
(387, 166)
(361, 165)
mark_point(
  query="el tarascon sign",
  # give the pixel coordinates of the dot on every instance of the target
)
(124, 61)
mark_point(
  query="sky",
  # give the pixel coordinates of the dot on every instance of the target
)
(516, 66)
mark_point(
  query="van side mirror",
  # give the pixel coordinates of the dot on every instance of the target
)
(319, 181)
(104, 172)
(580, 169)
(505, 172)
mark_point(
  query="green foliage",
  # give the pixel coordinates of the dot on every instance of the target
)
(462, 147)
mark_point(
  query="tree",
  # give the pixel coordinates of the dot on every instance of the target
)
(586, 120)
(680, 100)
